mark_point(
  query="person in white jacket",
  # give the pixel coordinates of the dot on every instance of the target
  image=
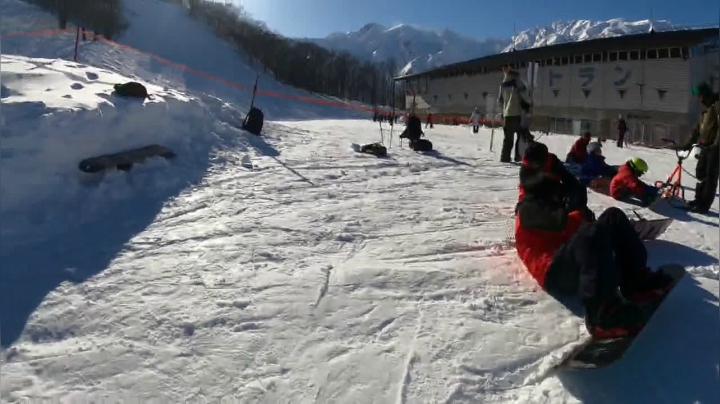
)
(514, 100)
(475, 119)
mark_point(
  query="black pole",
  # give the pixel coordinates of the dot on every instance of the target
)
(252, 101)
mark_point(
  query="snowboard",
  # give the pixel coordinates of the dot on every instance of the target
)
(124, 160)
(651, 229)
(596, 353)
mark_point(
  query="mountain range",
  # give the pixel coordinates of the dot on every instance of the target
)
(416, 49)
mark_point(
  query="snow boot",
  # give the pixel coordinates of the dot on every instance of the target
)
(654, 286)
(613, 318)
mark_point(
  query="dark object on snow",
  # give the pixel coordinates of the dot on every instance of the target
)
(376, 149)
(595, 353)
(651, 229)
(413, 130)
(421, 145)
(254, 121)
(124, 160)
(131, 89)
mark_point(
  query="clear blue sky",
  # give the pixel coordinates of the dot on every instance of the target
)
(473, 18)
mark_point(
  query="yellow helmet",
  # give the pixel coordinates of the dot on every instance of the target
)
(638, 165)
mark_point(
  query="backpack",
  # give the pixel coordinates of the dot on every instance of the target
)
(254, 121)
(131, 89)
(375, 149)
(423, 145)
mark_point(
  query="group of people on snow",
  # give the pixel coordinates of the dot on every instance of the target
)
(621, 182)
(569, 251)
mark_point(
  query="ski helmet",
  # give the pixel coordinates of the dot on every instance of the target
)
(638, 165)
(593, 147)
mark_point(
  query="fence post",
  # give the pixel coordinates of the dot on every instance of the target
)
(77, 39)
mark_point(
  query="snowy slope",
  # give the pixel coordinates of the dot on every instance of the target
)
(417, 49)
(318, 276)
(166, 31)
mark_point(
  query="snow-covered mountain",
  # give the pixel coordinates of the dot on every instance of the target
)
(416, 49)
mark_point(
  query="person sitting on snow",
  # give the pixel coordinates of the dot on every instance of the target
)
(572, 190)
(578, 151)
(595, 168)
(413, 129)
(568, 253)
(627, 184)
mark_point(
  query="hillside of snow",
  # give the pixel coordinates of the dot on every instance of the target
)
(314, 275)
(165, 32)
(417, 49)
(286, 267)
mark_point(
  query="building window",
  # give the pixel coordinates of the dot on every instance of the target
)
(613, 57)
(675, 53)
(622, 55)
(587, 58)
(652, 54)
(663, 53)
(578, 59)
(634, 55)
(597, 57)
(564, 61)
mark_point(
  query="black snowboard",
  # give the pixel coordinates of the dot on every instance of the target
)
(651, 229)
(596, 353)
(124, 160)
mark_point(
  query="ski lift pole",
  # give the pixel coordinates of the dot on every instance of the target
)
(382, 134)
(492, 132)
(392, 115)
(252, 100)
(77, 40)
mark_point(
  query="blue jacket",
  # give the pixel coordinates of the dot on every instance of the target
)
(595, 166)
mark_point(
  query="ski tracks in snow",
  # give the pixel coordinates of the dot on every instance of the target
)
(382, 276)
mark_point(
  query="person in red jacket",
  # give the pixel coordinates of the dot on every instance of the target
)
(570, 253)
(578, 151)
(627, 184)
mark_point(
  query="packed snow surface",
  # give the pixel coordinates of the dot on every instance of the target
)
(286, 267)
(316, 275)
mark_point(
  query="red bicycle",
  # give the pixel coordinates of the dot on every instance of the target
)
(672, 187)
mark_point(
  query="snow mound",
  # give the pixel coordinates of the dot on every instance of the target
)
(160, 32)
(56, 113)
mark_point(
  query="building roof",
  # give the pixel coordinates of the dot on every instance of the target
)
(617, 43)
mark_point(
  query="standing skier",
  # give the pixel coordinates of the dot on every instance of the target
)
(514, 100)
(622, 129)
(569, 253)
(475, 119)
(706, 134)
(429, 121)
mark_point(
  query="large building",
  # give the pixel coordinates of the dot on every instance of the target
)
(586, 85)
